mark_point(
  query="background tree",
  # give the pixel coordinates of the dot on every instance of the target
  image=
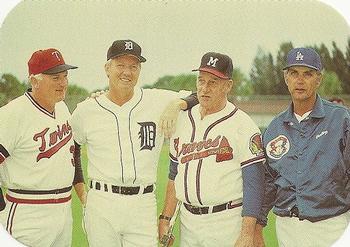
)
(74, 95)
(330, 85)
(281, 87)
(263, 74)
(10, 88)
(242, 86)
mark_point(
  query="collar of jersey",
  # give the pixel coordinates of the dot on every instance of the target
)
(127, 106)
(37, 105)
(229, 107)
(317, 112)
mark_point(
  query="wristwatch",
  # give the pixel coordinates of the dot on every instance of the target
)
(164, 217)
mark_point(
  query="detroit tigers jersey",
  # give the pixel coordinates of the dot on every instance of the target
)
(34, 144)
(123, 143)
(210, 154)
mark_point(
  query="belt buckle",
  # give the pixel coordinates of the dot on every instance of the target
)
(125, 190)
(129, 190)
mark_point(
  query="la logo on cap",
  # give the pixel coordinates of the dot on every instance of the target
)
(299, 57)
(128, 45)
(212, 61)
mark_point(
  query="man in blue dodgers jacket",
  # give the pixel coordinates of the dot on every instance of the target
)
(308, 167)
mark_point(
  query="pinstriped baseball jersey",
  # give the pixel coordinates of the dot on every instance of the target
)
(210, 154)
(123, 143)
(34, 144)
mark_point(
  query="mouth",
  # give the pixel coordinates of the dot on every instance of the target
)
(299, 90)
(125, 79)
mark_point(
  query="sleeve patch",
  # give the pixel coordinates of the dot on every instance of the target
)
(255, 145)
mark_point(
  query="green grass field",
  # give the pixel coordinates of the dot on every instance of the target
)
(79, 239)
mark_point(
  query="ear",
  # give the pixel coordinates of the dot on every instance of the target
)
(229, 85)
(107, 68)
(319, 80)
(34, 81)
(285, 77)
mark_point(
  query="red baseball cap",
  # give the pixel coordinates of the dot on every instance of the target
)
(49, 61)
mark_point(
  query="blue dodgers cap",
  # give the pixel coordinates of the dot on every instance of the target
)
(304, 57)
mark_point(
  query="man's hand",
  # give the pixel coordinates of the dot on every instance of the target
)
(167, 121)
(246, 237)
(81, 192)
(244, 241)
(258, 236)
(163, 230)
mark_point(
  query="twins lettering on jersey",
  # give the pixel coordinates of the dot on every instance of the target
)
(52, 142)
(218, 146)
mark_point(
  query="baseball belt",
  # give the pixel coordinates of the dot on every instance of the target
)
(212, 209)
(61, 195)
(123, 190)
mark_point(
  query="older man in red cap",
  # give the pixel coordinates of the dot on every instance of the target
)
(37, 157)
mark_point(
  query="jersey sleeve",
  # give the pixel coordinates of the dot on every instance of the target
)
(77, 123)
(9, 131)
(252, 149)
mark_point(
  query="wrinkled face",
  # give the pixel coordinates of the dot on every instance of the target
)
(212, 91)
(123, 72)
(302, 82)
(53, 87)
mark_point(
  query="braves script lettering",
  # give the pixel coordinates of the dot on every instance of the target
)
(202, 149)
(57, 139)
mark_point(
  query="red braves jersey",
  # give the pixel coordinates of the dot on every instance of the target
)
(36, 146)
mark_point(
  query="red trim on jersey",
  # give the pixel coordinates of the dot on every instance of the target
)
(9, 217)
(2, 158)
(3, 153)
(253, 160)
(39, 107)
(38, 201)
(13, 216)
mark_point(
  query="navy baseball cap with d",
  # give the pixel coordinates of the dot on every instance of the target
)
(217, 64)
(125, 47)
(303, 57)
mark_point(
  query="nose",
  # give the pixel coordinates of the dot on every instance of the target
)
(127, 70)
(64, 81)
(205, 88)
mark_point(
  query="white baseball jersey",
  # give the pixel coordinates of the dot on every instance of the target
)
(34, 146)
(210, 154)
(123, 143)
(37, 167)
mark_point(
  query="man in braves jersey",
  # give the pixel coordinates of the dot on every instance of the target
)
(216, 165)
(36, 157)
(123, 145)
(308, 161)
